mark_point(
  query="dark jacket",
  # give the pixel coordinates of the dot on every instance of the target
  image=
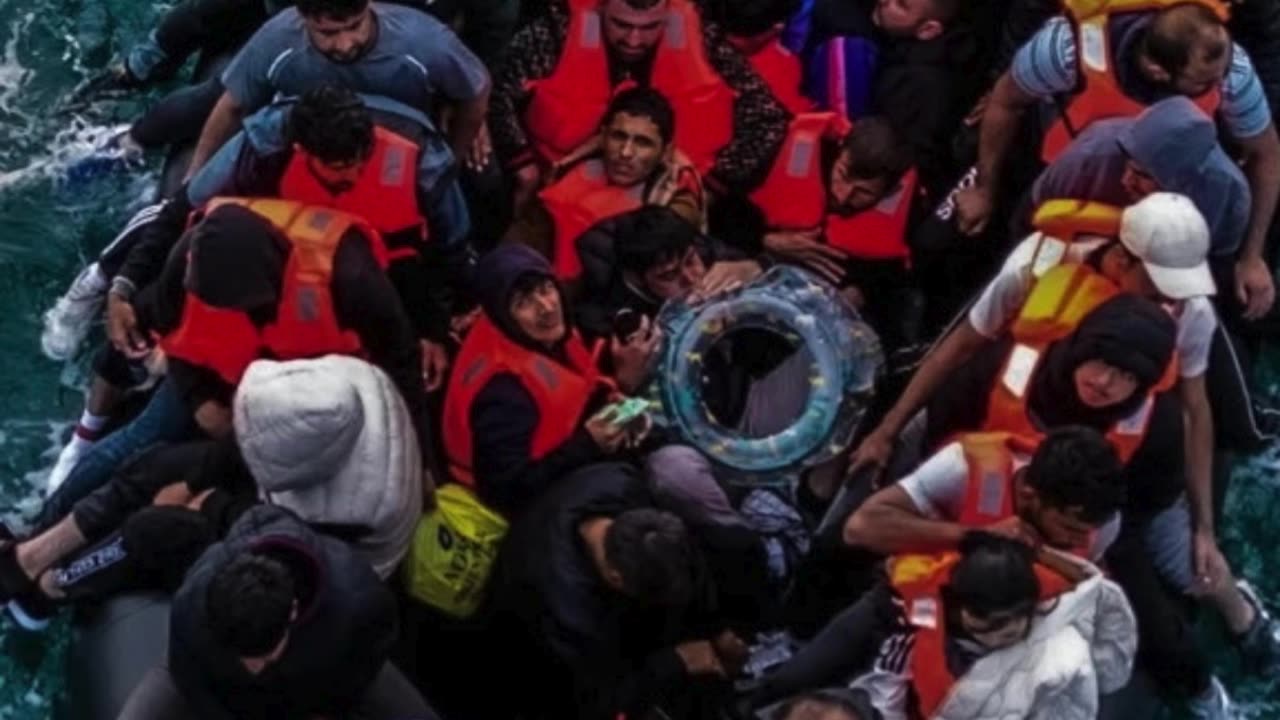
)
(504, 416)
(579, 649)
(246, 272)
(344, 631)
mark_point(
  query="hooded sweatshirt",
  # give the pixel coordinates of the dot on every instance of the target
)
(504, 416)
(1177, 145)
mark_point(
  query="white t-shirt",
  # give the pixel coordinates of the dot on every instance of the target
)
(1000, 302)
(937, 489)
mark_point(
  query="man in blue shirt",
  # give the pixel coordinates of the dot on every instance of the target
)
(371, 48)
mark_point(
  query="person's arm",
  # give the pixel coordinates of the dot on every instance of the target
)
(221, 125)
(759, 121)
(912, 515)
(503, 420)
(1255, 288)
(457, 75)
(365, 302)
(958, 346)
(999, 128)
(1198, 438)
(533, 54)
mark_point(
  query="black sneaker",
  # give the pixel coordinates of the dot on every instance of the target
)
(13, 581)
(32, 611)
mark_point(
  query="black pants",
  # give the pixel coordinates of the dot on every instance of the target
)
(1167, 645)
(390, 697)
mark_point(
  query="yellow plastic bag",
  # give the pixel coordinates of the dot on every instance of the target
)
(454, 547)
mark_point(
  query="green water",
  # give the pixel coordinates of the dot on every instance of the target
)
(46, 234)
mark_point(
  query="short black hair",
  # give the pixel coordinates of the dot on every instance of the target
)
(1075, 467)
(994, 575)
(333, 9)
(249, 603)
(818, 706)
(332, 123)
(649, 236)
(644, 102)
(652, 552)
(1176, 30)
(875, 151)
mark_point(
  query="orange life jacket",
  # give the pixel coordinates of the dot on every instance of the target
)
(1060, 299)
(226, 340)
(1099, 95)
(580, 199)
(567, 105)
(918, 581)
(782, 72)
(794, 195)
(386, 193)
(561, 392)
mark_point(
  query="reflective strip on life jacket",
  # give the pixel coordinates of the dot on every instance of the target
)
(560, 392)
(1099, 95)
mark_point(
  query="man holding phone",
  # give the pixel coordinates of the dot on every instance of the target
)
(527, 403)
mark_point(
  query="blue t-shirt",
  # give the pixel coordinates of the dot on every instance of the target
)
(414, 59)
(1046, 66)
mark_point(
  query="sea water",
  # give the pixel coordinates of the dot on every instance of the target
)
(51, 224)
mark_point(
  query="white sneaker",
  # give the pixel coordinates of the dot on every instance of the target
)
(70, 456)
(1215, 704)
(68, 321)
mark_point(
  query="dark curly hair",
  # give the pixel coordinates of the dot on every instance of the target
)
(250, 603)
(332, 123)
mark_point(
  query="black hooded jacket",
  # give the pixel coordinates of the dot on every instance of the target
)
(345, 628)
(504, 416)
(1127, 332)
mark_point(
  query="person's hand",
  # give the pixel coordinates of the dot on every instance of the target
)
(481, 150)
(872, 453)
(631, 357)
(700, 658)
(122, 328)
(175, 494)
(1212, 571)
(732, 651)
(608, 437)
(435, 361)
(214, 419)
(460, 325)
(805, 248)
(973, 209)
(528, 181)
(1255, 287)
(1014, 528)
(725, 277)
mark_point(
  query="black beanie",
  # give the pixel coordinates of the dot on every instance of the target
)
(1129, 333)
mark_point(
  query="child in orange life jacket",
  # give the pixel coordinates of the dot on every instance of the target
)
(633, 163)
(844, 209)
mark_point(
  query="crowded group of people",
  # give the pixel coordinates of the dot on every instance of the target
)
(374, 403)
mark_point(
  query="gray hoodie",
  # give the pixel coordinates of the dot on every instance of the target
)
(1173, 141)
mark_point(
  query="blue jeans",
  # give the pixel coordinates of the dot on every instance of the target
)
(165, 419)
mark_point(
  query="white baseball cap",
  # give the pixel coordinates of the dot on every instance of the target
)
(1170, 236)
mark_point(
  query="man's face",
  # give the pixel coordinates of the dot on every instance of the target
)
(633, 148)
(906, 18)
(847, 194)
(539, 314)
(1100, 385)
(1204, 73)
(341, 40)
(338, 177)
(675, 277)
(632, 33)
(1137, 182)
(1061, 529)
